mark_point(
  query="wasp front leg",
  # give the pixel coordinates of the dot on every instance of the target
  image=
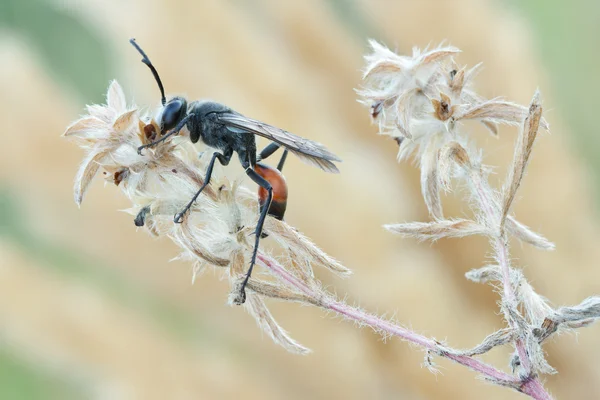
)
(174, 131)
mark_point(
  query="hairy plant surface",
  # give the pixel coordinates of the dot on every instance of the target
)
(422, 102)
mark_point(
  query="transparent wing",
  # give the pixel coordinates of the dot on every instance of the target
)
(308, 151)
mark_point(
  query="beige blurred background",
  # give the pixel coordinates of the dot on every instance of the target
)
(90, 308)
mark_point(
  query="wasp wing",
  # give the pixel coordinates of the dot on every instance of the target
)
(308, 151)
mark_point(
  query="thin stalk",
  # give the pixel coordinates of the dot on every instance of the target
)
(381, 325)
(534, 389)
(501, 246)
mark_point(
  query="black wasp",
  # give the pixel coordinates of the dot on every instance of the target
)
(226, 131)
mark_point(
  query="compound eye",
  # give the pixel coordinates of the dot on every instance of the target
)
(172, 114)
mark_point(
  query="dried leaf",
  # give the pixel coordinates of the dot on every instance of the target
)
(523, 148)
(430, 180)
(83, 126)
(488, 273)
(290, 237)
(445, 164)
(301, 267)
(539, 364)
(497, 112)
(492, 127)
(257, 308)
(238, 264)
(404, 112)
(380, 51)
(124, 120)
(87, 172)
(586, 310)
(455, 152)
(472, 73)
(524, 234)
(382, 67)
(275, 291)
(535, 306)
(498, 338)
(438, 229)
(582, 315)
(493, 273)
(436, 55)
(187, 239)
(115, 98)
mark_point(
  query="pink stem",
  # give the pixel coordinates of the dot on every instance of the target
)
(509, 294)
(503, 259)
(381, 325)
(533, 386)
(535, 389)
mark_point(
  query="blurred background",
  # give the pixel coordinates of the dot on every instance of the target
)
(90, 308)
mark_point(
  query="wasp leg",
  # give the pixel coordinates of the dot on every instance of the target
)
(282, 160)
(270, 149)
(140, 218)
(267, 151)
(259, 180)
(175, 130)
(224, 160)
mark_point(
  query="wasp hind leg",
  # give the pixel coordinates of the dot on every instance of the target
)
(282, 160)
(269, 150)
(278, 205)
(260, 181)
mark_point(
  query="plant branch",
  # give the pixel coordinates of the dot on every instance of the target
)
(383, 326)
(535, 389)
(500, 243)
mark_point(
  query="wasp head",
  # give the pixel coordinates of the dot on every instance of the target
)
(173, 112)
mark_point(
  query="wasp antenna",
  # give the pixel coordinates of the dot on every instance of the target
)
(147, 61)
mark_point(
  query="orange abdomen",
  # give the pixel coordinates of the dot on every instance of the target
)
(280, 191)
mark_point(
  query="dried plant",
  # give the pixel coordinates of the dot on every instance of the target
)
(215, 233)
(421, 102)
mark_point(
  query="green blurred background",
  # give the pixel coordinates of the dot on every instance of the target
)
(91, 309)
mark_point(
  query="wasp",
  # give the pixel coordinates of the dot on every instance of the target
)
(227, 131)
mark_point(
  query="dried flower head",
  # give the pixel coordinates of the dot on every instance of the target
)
(216, 231)
(421, 101)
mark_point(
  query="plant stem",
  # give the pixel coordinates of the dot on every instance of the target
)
(533, 386)
(534, 389)
(383, 326)
(511, 300)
